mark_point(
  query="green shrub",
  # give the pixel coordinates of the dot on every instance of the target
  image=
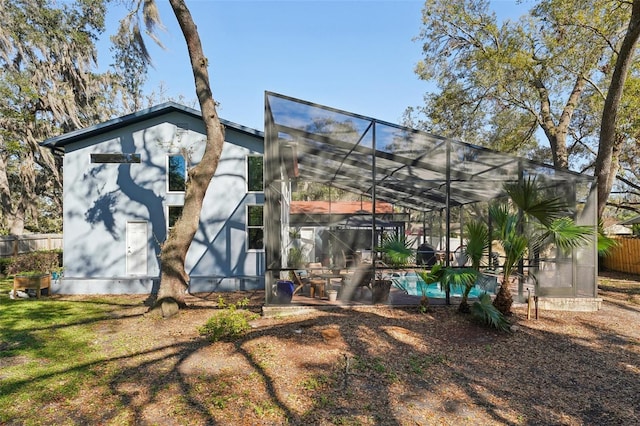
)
(228, 324)
(4, 265)
(37, 261)
(295, 258)
(488, 314)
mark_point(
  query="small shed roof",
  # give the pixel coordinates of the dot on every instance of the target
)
(617, 230)
(632, 221)
(338, 207)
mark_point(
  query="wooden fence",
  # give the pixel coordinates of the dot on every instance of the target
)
(625, 257)
(16, 244)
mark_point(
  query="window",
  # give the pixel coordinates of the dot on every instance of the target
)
(177, 173)
(255, 228)
(174, 212)
(255, 181)
(115, 158)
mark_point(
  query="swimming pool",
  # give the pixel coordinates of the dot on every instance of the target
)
(413, 285)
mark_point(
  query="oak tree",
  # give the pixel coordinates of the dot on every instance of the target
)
(48, 85)
(174, 279)
(499, 82)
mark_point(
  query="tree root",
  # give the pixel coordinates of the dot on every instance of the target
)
(167, 307)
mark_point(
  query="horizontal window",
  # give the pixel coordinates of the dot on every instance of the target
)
(115, 158)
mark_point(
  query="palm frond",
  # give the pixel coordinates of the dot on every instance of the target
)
(458, 278)
(397, 248)
(605, 244)
(500, 215)
(484, 311)
(567, 235)
(514, 246)
(477, 242)
(530, 198)
(434, 275)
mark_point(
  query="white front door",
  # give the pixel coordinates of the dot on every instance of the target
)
(137, 243)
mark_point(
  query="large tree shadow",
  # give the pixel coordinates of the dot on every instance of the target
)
(384, 366)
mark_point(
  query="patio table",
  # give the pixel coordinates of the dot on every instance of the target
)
(328, 277)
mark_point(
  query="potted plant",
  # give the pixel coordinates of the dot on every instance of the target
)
(32, 271)
(380, 289)
(397, 250)
(295, 259)
(32, 280)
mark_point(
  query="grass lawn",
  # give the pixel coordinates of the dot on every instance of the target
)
(106, 360)
(48, 353)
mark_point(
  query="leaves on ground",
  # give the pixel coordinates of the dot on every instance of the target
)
(366, 366)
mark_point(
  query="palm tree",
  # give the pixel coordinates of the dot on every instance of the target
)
(477, 243)
(397, 249)
(531, 221)
(449, 278)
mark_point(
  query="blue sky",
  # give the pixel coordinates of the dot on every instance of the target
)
(355, 55)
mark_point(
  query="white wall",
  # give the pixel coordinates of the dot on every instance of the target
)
(99, 199)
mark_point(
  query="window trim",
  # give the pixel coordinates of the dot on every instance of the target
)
(248, 227)
(168, 162)
(169, 206)
(247, 168)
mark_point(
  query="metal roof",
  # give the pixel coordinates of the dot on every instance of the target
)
(165, 108)
(402, 166)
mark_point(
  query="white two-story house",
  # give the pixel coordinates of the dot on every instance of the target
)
(124, 183)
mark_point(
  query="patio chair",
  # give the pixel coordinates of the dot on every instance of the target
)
(316, 284)
(298, 282)
(361, 278)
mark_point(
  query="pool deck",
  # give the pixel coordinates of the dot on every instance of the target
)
(301, 304)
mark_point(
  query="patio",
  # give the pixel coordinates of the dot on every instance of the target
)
(398, 182)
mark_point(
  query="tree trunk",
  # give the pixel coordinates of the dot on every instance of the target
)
(606, 165)
(504, 300)
(174, 279)
(12, 215)
(464, 302)
(557, 133)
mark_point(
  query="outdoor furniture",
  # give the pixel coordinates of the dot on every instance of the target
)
(354, 283)
(317, 288)
(315, 272)
(316, 285)
(297, 281)
(328, 277)
(32, 282)
(426, 255)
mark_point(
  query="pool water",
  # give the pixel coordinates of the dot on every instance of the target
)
(413, 285)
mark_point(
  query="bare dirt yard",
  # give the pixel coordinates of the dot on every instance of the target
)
(370, 366)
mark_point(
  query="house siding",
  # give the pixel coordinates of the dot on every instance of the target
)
(99, 200)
